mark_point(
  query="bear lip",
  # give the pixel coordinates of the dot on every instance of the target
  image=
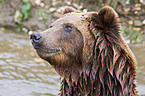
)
(52, 50)
(49, 51)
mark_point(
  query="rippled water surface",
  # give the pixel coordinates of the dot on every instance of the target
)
(23, 73)
(139, 52)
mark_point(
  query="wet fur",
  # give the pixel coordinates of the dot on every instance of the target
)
(111, 67)
(94, 59)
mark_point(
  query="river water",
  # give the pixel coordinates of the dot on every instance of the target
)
(23, 73)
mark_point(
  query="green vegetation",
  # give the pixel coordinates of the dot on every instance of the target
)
(137, 1)
(113, 4)
(43, 15)
(24, 13)
(26, 9)
(18, 17)
(1, 1)
(134, 1)
(131, 34)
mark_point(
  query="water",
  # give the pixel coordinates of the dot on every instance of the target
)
(139, 52)
(23, 73)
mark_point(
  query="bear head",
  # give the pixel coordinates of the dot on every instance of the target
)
(88, 43)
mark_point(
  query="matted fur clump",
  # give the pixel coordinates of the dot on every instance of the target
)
(89, 53)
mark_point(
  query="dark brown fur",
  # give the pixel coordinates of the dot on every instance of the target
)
(102, 66)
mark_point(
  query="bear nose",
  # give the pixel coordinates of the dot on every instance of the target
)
(36, 37)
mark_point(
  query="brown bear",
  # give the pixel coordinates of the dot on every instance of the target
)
(89, 53)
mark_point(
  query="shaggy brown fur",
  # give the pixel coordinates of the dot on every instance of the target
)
(89, 54)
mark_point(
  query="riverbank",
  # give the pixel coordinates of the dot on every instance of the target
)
(38, 14)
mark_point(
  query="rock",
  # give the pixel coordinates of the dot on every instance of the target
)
(33, 23)
(137, 8)
(57, 15)
(46, 7)
(42, 4)
(127, 41)
(126, 9)
(52, 9)
(142, 1)
(56, 2)
(18, 17)
(68, 2)
(11, 15)
(143, 22)
(60, 9)
(137, 29)
(85, 10)
(138, 5)
(7, 12)
(37, 2)
(137, 23)
(130, 22)
(127, 2)
(25, 30)
(136, 12)
(80, 7)
(75, 5)
(30, 32)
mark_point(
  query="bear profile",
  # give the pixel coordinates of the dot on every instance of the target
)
(89, 53)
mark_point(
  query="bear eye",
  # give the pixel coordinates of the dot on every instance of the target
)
(67, 28)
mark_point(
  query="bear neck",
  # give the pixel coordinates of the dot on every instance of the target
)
(98, 79)
(68, 67)
(110, 70)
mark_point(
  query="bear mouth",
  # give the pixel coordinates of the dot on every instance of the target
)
(52, 50)
(49, 51)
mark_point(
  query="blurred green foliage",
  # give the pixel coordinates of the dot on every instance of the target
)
(26, 9)
(113, 4)
(134, 1)
(18, 17)
(131, 34)
(1, 1)
(43, 15)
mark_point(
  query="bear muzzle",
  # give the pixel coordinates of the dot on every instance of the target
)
(36, 40)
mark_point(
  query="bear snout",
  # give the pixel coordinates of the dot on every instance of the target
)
(36, 38)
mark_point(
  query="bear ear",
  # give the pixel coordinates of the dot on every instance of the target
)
(69, 10)
(105, 17)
